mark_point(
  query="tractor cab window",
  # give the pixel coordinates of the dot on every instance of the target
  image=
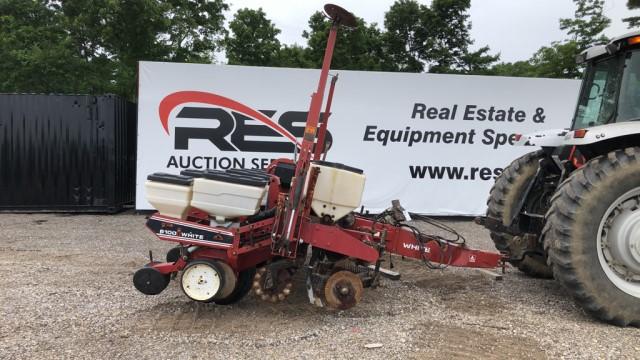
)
(629, 100)
(597, 102)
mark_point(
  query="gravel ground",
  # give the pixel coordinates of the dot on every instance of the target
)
(66, 292)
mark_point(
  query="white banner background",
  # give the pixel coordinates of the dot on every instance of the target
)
(362, 99)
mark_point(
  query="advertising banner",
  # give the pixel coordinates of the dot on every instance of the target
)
(436, 142)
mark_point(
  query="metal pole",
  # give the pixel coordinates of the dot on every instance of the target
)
(302, 165)
(322, 132)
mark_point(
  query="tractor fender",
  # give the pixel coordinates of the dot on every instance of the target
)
(543, 138)
(602, 133)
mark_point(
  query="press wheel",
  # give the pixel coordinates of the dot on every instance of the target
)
(230, 281)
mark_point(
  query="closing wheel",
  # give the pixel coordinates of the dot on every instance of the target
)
(150, 281)
(202, 280)
(343, 290)
(593, 236)
(504, 200)
(273, 284)
(243, 286)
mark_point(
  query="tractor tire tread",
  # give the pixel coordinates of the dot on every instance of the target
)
(567, 206)
(497, 207)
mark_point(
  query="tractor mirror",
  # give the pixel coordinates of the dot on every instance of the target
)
(613, 48)
(340, 16)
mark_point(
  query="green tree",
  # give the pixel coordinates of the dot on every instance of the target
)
(195, 28)
(558, 59)
(253, 39)
(477, 62)
(448, 30)
(112, 36)
(405, 36)
(632, 21)
(36, 53)
(522, 68)
(435, 37)
(588, 23)
(127, 31)
(360, 48)
(294, 56)
(93, 46)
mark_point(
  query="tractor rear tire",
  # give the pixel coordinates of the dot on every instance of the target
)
(503, 201)
(595, 217)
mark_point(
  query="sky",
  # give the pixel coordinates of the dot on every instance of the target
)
(513, 28)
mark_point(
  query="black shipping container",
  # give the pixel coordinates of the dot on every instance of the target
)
(71, 153)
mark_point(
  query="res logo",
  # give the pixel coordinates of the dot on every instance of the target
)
(233, 132)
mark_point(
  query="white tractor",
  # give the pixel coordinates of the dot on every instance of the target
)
(571, 210)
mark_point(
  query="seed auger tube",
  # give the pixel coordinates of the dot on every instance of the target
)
(299, 228)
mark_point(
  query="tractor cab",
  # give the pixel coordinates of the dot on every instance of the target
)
(609, 92)
(608, 108)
